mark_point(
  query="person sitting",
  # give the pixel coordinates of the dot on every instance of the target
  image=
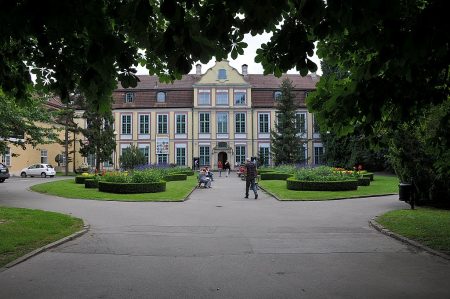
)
(203, 179)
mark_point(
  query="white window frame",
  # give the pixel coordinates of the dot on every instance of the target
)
(239, 155)
(144, 126)
(240, 91)
(126, 124)
(44, 156)
(201, 100)
(180, 123)
(204, 125)
(7, 157)
(204, 155)
(162, 123)
(222, 92)
(317, 146)
(180, 154)
(238, 123)
(263, 123)
(129, 97)
(222, 126)
(145, 150)
(265, 147)
(301, 132)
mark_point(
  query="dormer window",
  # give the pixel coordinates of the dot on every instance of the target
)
(129, 97)
(161, 97)
(222, 74)
(277, 95)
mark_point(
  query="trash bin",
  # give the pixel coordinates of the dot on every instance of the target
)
(404, 192)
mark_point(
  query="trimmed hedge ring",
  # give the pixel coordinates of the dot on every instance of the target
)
(293, 184)
(79, 179)
(90, 183)
(275, 176)
(364, 181)
(129, 188)
(175, 177)
(368, 175)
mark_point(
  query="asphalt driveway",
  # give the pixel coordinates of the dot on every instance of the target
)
(219, 245)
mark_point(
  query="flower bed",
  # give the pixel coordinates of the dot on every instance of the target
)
(129, 188)
(345, 185)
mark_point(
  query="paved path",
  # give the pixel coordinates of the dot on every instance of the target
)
(220, 245)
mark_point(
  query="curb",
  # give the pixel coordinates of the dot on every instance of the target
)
(46, 247)
(405, 240)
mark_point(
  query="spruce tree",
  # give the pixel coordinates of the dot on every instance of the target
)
(286, 145)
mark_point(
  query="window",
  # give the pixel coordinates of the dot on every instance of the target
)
(300, 122)
(90, 160)
(222, 97)
(162, 123)
(180, 156)
(277, 95)
(7, 157)
(318, 155)
(222, 122)
(264, 155)
(161, 97)
(240, 123)
(305, 154)
(144, 124)
(180, 120)
(240, 154)
(163, 158)
(204, 97)
(129, 97)
(126, 124)
(204, 155)
(239, 97)
(204, 123)
(222, 74)
(44, 157)
(263, 120)
(63, 159)
(315, 125)
(145, 150)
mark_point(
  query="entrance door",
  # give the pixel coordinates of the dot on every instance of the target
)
(222, 156)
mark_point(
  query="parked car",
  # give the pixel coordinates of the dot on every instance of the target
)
(42, 170)
(4, 172)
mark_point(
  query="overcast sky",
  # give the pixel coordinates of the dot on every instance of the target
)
(248, 58)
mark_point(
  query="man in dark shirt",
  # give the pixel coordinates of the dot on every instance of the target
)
(250, 176)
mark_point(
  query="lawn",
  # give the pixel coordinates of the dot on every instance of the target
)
(428, 226)
(175, 191)
(382, 185)
(24, 230)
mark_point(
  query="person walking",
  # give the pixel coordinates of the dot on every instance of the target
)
(220, 166)
(227, 168)
(250, 176)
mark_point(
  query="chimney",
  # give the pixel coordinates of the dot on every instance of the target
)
(244, 70)
(198, 69)
(313, 76)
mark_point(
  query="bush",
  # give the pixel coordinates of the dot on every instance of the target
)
(91, 183)
(275, 176)
(129, 188)
(265, 170)
(364, 181)
(79, 179)
(346, 185)
(175, 177)
(323, 174)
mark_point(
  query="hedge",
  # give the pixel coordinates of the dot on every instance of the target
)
(275, 176)
(175, 177)
(260, 171)
(364, 181)
(90, 183)
(368, 175)
(79, 179)
(293, 184)
(188, 172)
(127, 188)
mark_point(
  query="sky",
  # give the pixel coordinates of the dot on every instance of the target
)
(248, 57)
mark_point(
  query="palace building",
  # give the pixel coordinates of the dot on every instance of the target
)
(222, 114)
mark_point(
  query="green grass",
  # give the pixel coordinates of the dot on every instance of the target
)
(380, 186)
(175, 191)
(428, 226)
(24, 230)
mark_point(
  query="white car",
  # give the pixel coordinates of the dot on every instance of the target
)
(42, 170)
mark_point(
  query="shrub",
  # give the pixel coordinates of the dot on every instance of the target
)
(175, 177)
(128, 188)
(117, 177)
(275, 176)
(91, 183)
(345, 185)
(146, 176)
(79, 179)
(364, 181)
(323, 174)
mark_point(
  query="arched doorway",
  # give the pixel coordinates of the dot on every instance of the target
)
(223, 157)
